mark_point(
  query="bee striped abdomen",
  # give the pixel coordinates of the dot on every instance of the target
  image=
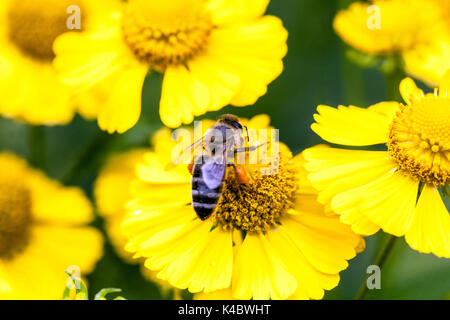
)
(204, 199)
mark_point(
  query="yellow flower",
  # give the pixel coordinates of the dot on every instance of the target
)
(212, 53)
(398, 189)
(267, 239)
(29, 86)
(417, 30)
(397, 28)
(42, 232)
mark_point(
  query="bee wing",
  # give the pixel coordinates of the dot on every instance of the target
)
(213, 174)
(171, 165)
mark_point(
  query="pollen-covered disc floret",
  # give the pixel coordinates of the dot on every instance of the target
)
(258, 206)
(34, 25)
(15, 217)
(419, 139)
(165, 33)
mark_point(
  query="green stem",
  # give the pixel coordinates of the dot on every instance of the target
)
(393, 79)
(380, 261)
(37, 147)
(87, 157)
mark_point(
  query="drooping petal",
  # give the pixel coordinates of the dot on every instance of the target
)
(430, 229)
(325, 242)
(390, 201)
(310, 282)
(253, 51)
(259, 272)
(182, 97)
(122, 109)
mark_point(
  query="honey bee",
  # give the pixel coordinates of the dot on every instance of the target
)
(208, 171)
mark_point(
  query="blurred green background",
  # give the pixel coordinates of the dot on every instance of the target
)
(317, 71)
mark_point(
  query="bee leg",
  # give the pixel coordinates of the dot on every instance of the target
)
(241, 174)
(249, 149)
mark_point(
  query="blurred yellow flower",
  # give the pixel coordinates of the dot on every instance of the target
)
(267, 239)
(111, 195)
(29, 86)
(417, 30)
(401, 189)
(212, 53)
(42, 232)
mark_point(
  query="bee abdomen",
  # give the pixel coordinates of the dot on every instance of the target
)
(204, 200)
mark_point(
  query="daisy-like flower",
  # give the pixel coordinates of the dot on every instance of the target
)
(212, 53)
(400, 190)
(267, 239)
(416, 30)
(29, 86)
(42, 232)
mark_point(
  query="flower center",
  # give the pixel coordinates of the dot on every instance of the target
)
(164, 33)
(34, 25)
(420, 139)
(15, 217)
(257, 207)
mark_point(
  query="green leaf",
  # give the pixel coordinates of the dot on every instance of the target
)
(101, 295)
(77, 284)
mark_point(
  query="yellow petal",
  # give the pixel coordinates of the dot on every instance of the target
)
(325, 242)
(409, 91)
(336, 170)
(83, 59)
(387, 108)
(390, 201)
(430, 228)
(232, 11)
(259, 272)
(221, 83)
(192, 257)
(224, 294)
(351, 125)
(142, 227)
(182, 97)
(122, 109)
(444, 88)
(388, 26)
(429, 62)
(359, 222)
(311, 283)
(154, 169)
(57, 204)
(253, 51)
(112, 184)
(38, 272)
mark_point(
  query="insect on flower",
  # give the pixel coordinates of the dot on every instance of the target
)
(220, 145)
